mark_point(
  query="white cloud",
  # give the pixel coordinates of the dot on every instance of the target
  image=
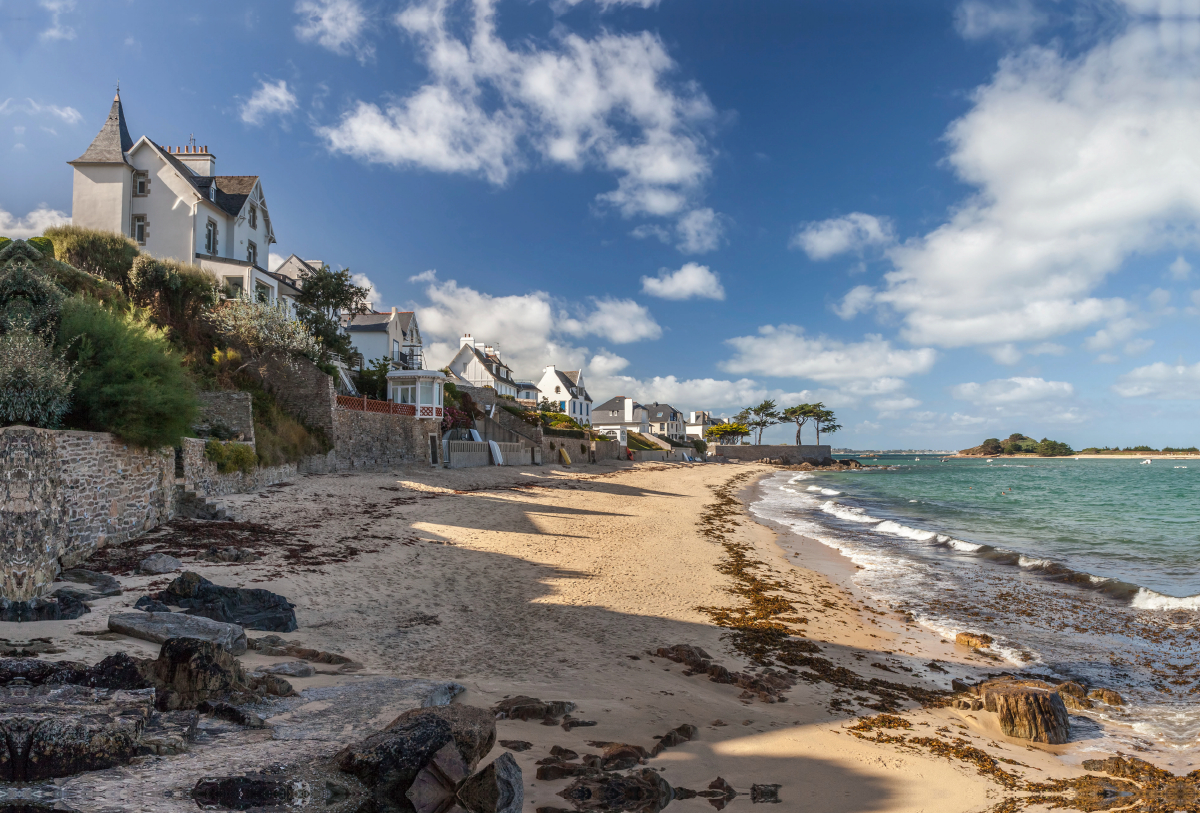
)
(605, 364)
(690, 281)
(374, 299)
(838, 235)
(785, 351)
(1160, 380)
(606, 5)
(1117, 332)
(490, 111)
(1007, 354)
(700, 231)
(1079, 162)
(274, 260)
(1138, 346)
(58, 30)
(1180, 268)
(621, 321)
(69, 115)
(859, 299)
(1160, 298)
(889, 407)
(33, 224)
(271, 99)
(1009, 391)
(976, 19)
(337, 25)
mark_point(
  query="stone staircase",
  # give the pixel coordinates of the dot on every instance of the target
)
(190, 505)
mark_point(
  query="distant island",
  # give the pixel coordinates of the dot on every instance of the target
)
(1018, 444)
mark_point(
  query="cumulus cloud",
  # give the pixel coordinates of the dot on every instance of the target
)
(859, 299)
(700, 231)
(337, 25)
(29, 107)
(271, 99)
(1079, 163)
(690, 281)
(374, 299)
(621, 321)
(1180, 268)
(58, 29)
(488, 110)
(854, 232)
(890, 407)
(1016, 390)
(785, 351)
(977, 19)
(33, 224)
(1173, 382)
(605, 364)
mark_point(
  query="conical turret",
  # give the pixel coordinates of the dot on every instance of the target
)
(112, 142)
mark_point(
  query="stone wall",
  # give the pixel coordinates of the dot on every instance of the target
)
(608, 450)
(231, 408)
(790, 455)
(201, 475)
(370, 440)
(301, 388)
(65, 494)
(533, 434)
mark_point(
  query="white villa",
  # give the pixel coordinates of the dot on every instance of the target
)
(394, 336)
(171, 201)
(566, 388)
(621, 413)
(479, 365)
(698, 424)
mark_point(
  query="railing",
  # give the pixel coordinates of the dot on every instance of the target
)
(365, 404)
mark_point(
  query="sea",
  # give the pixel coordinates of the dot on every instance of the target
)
(1078, 568)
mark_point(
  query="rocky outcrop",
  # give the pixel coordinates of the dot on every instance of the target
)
(1074, 695)
(58, 607)
(1028, 712)
(496, 789)
(189, 671)
(974, 640)
(160, 627)
(251, 608)
(644, 790)
(523, 707)
(1107, 696)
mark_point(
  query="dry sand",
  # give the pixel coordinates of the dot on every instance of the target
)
(557, 583)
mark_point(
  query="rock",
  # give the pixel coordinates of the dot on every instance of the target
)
(149, 605)
(563, 753)
(119, 671)
(277, 647)
(114, 672)
(76, 593)
(1029, 712)
(570, 722)
(190, 670)
(251, 608)
(641, 791)
(101, 583)
(51, 732)
(297, 669)
(765, 793)
(522, 707)
(1074, 695)
(498, 788)
(961, 686)
(168, 734)
(473, 729)
(975, 640)
(159, 563)
(517, 745)
(159, 627)
(230, 555)
(43, 608)
(676, 736)
(272, 684)
(434, 789)
(242, 792)
(619, 756)
(230, 713)
(1107, 696)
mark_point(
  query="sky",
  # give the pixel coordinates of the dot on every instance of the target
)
(944, 220)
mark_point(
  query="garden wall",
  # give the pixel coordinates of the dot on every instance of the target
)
(790, 455)
(64, 494)
(365, 440)
(202, 476)
(301, 388)
(231, 408)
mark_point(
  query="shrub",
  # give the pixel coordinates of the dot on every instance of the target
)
(1053, 448)
(42, 244)
(106, 254)
(29, 300)
(4, 241)
(278, 437)
(231, 457)
(35, 383)
(176, 293)
(130, 381)
(261, 328)
(1182, 450)
(699, 445)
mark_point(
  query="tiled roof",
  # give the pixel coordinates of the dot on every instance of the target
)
(232, 190)
(112, 142)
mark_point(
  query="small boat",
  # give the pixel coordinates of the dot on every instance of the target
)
(1146, 462)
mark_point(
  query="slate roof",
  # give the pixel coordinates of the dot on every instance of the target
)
(570, 379)
(662, 412)
(232, 190)
(112, 142)
(527, 385)
(617, 404)
(369, 322)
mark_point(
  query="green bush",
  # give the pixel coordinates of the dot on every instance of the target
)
(700, 445)
(231, 457)
(176, 293)
(106, 254)
(278, 437)
(4, 241)
(1053, 448)
(35, 384)
(43, 244)
(130, 382)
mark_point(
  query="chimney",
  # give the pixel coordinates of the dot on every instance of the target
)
(393, 310)
(628, 410)
(466, 341)
(198, 159)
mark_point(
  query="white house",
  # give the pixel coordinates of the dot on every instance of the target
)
(666, 420)
(480, 366)
(394, 336)
(621, 414)
(698, 424)
(566, 388)
(171, 201)
(528, 391)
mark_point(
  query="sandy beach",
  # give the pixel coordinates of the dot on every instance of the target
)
(560, 584)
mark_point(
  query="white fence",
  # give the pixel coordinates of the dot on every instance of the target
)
(465, 453)
(515, 454)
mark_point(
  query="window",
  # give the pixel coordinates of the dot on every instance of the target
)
(437, 391)
(408, 394)
(427, 393)
(395, 350)
(141, 184)
(235, 285)
(210, 238)
(262, 293)
(251, 253)
(557, 390)
(562, 405)
(212, 192)
(139, 229)
(253, 216)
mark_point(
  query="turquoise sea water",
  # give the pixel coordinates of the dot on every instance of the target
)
(1084, 569)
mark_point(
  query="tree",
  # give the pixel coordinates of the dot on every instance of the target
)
(800, 415)
(259, 329)
(762, 417)
(547, 405)
(371, 381)
(728, 431)
(991, 446)
(1053, 448)
(824, 421)
(325, 297)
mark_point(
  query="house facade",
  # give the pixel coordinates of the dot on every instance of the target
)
(621, 414)
(566, 388)
(698, 424)
(667, 421)
(479, 365)
(173, 204)
(394, 336)
(528, 391)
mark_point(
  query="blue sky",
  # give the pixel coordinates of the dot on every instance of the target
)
(946, 220)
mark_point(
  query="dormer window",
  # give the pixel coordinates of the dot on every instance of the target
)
(253, 216)
(212, 192)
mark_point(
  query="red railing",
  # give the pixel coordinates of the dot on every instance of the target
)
(365, 404)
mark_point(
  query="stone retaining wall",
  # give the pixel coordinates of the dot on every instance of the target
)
(202, 476)
(365, 440)
(64, 494)
(231, 408)
(790, 455)
(301, 388)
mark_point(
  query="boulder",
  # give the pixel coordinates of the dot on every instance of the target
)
(1107, 696)
(974, 640)
(251, 608)
(118, 671)
(159, 563)
(160, 627)
(60, 731)
(242, 792)
(1074, 695)
(149, 605)
(522, 707)
(518, 745)
(498, 788)
(473, 729)
(101, 583)
(766, 793)
(189, 671)
(297, 669)
(645, 791)
(435, 788)
(1029, 712)
(42, 608)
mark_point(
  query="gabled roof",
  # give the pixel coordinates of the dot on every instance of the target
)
(112, 142)
(615, 404)
(570, 380)
(527, 385)
(232, 190)
(376, 321)
(662, 412)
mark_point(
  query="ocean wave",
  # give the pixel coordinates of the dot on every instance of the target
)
(828, 492)
(849, 514)
(896, 529)
(1145, 599)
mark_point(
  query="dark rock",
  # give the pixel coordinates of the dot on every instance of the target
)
(230, 713)
(277, 647)
(1028, 712)
(161, 627)
(298, 669)
(676, 736)
(242, 792)
(119, 671)
(530, 708)
(473, 729)
(570, 722)
(44, 608)
(961, 686)
(251, 608)
(692, 656)
(1074, 695)
(641, 792)
(76, 593)
(159, 563)
(498, 788)
(272, 684)
(189, 671)
(556, 769)
(433, 791)
(765, 793)
(517, 745)
(149, 605)
(168, 734)
(563, 753)
(620, 756)
(101, 583)
(1107, 696)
